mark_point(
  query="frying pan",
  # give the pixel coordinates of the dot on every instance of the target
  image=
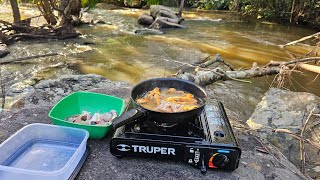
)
(140, 112)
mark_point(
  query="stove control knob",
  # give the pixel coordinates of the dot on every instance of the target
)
(218, 161)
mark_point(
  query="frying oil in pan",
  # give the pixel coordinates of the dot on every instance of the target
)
(168, 100)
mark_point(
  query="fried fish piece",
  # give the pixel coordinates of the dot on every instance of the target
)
(188, 108)
(182, 100)
(170, 100)
(143, 100)
(154, 95)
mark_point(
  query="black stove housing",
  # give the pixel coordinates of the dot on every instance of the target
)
(208, 142)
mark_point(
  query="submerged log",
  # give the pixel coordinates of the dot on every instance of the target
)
(162, 11)
(163, 22)
(22, 32)
(46, 36)
(160, 17)
(7, 61)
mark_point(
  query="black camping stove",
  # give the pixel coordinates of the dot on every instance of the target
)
(207, 143)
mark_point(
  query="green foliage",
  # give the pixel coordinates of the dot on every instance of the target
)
(162, 2)
(212, 4)
(89, 3)
(299, 12)
(26, 1)
(153, 2)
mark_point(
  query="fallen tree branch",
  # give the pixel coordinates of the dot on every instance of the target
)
(164, 22)
(27, 58)
(303, 60)
(286, 131)
(181, 8)
(300, 40)
(278, 158)
(22, 32)
(297, 137)
(46, 36)
(314, 144)
(208, 77)
(302, 140)
(302, 146)
(3, 91)
(308, 67)
(294, 61)
(216, 58)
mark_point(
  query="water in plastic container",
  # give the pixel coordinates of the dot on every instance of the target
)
(41, 151)
(42, 155)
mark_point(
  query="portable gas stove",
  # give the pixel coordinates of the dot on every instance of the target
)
(209, 142)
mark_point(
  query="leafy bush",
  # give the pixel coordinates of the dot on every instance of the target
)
(299, 12)
(163, 2)
(212, 4)
(89, 3)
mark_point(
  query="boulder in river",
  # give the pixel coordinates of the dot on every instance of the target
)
(3, 51)
(145, 19)
(282, 109)
(160, 17)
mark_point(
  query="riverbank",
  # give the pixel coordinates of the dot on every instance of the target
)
(115, 52)
(35, 105)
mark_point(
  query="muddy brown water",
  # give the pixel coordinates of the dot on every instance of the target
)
(116, 53)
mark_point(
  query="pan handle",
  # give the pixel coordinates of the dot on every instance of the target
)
(128, 117)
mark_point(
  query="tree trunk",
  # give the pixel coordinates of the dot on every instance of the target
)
(48, 13)
(72, 9)
(236, 6)
(15, 11)
(181, 8)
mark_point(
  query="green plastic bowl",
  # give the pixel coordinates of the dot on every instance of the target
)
(77, 102)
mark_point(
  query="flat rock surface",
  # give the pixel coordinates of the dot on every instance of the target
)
(283, 109)
(51, 91)
(100, 164)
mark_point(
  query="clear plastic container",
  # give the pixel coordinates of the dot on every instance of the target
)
(41, 151)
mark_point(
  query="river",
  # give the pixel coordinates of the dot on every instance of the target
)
(116, 53)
